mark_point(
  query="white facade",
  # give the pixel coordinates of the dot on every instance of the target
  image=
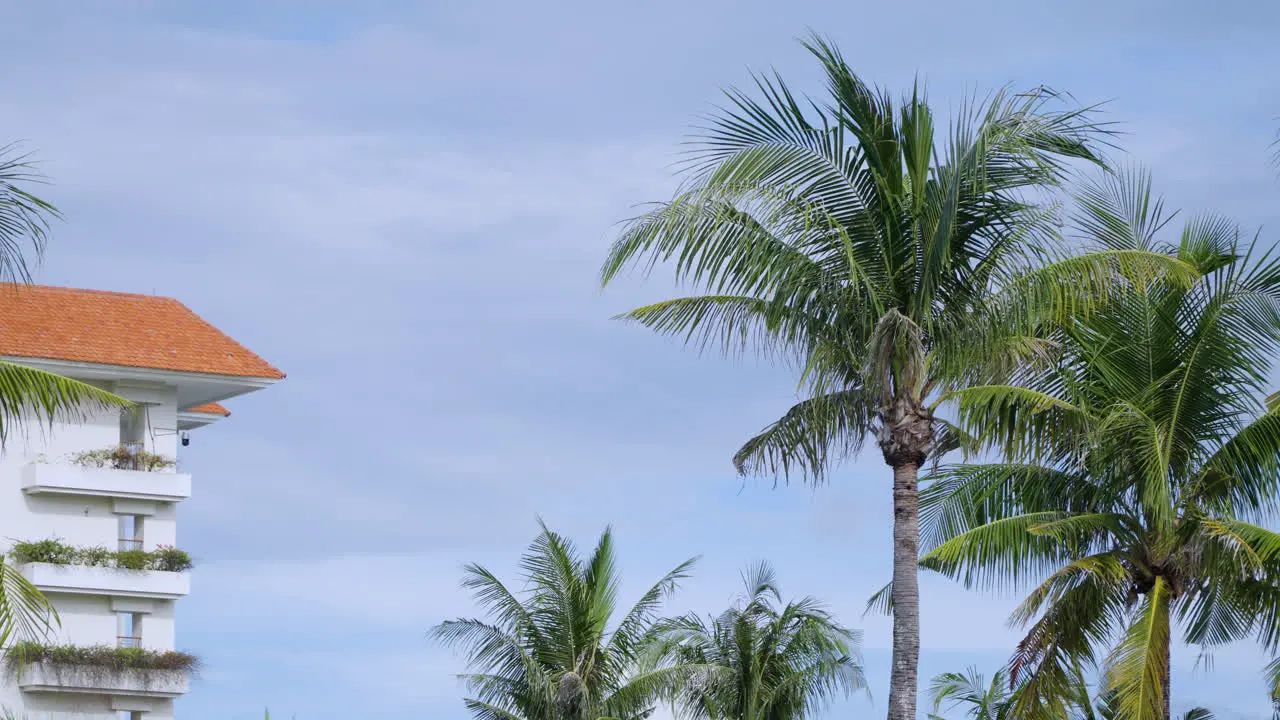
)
(45, 496)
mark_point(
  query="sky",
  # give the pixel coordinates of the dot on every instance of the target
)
(404, 205)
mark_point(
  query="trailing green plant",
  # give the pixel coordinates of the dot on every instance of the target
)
(121, 457)
(55, 552)
(116, 659)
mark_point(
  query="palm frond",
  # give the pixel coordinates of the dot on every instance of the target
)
(811, 438)
(1138, 667)
(24, 218)
(25, 613)
(28, 395)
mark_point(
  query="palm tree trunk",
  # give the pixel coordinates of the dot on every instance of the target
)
(906, 592)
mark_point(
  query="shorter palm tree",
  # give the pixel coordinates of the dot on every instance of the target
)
(555, 654)
(760, 660)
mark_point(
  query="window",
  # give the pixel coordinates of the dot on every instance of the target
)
(129, 630)
(129, 715)
(133, 425)
(130, 532)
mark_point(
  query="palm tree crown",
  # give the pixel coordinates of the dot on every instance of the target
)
(556, 654)
(761, 660)
(1136, 457)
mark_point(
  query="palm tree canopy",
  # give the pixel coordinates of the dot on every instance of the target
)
(561, 652)
(762, 659)
(1136, 466)
(886, 255)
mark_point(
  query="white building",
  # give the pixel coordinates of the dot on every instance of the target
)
(176, 368)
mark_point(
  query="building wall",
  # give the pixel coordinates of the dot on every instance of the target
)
(88, 521)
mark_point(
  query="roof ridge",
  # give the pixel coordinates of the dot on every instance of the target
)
(63, 288)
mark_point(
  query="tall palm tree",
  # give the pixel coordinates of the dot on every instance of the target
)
(1136, 466)
(889, 259)
(27, 395)
(760, 660)
(561, 652)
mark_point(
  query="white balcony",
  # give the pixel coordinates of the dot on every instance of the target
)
(87, 580)
(47, 677)
(105, 482)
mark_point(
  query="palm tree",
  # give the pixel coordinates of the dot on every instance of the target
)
(891, 261)
(760, 660)
(1133, 466)
(28, 395)
(556, 654)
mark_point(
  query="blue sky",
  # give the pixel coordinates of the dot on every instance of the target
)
(404, 206)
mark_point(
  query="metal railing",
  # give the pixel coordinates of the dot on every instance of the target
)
(129, 456)
(128, 641)
(129, 544)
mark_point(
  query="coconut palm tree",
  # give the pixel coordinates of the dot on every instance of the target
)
(1137, 465)
(762, 659)
(561, 652)
(29, 396)
(891, 260)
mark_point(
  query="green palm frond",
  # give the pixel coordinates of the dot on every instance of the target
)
(810, 438)
(27, 395)
(25, 613)
(1139, 666)
(881, 601)
(1000, 553)
(1021, 421)
(24, 218)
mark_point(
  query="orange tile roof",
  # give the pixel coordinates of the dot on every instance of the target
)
(111, 328)
(211, 409)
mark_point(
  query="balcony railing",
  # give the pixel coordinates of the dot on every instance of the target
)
(67, 479)
(101, 670)
(128, 641)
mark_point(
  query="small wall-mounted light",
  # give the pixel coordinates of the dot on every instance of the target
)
(186, 439)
